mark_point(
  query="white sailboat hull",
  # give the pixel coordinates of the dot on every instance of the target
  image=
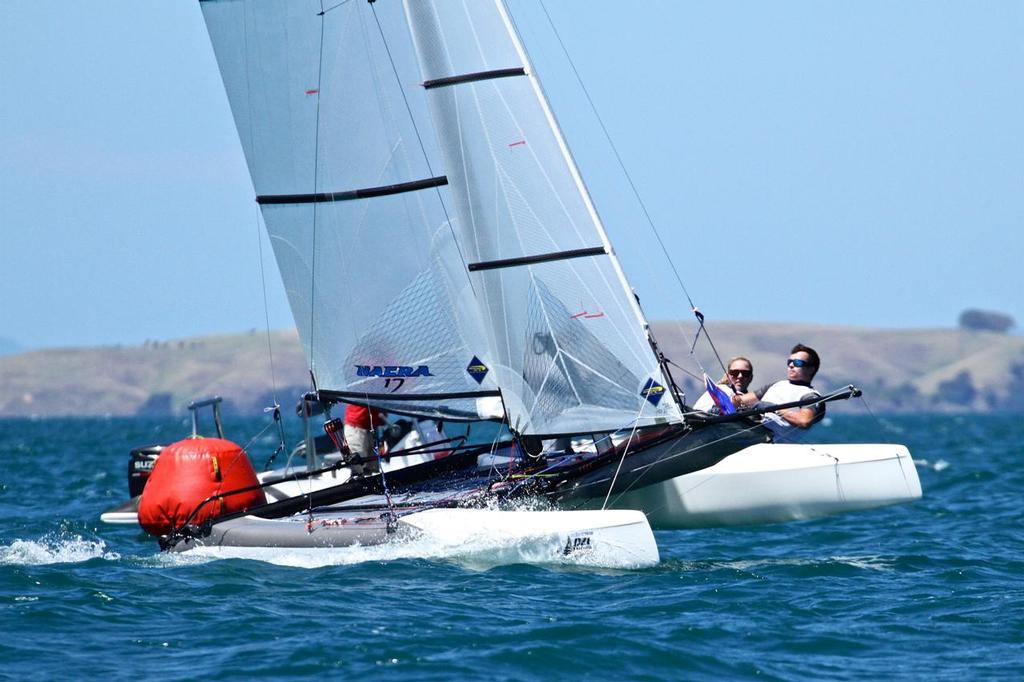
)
(611, 538)
(772, 483)
(606, 539)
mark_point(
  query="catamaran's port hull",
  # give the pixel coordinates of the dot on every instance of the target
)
(610, 538)
(771, 483)
(331, 530)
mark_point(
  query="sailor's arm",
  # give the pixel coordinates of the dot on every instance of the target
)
(746, 400)
(801, 418)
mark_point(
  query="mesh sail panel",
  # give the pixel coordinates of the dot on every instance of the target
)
(370, 274)
(541, 265)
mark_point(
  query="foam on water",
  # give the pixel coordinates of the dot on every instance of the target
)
(871, 563)
(484, 553)
(54, 549)
(938, 465)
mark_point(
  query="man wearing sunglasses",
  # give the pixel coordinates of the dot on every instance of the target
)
(789, 424)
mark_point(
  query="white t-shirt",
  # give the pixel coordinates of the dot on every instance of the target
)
(782, 392)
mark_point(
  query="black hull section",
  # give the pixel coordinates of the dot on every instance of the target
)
(654, 455)
(653, 460)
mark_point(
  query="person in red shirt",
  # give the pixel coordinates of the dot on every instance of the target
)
(360, 423)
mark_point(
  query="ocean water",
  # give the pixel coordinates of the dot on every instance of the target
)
(933, 589)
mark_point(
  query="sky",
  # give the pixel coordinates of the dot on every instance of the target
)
(842, 163)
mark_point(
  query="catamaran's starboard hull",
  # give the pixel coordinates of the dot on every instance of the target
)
(611, 538)
(655, 457)
(772, 483)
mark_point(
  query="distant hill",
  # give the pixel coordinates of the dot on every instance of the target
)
(155, 378)
(930, 370)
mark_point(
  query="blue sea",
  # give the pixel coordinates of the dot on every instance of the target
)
(933, 589)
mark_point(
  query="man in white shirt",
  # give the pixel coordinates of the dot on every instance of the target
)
(790, 424)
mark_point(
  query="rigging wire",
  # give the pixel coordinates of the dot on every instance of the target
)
(276, 407)
(625, 451)
(334, 7)
(636, 194)
(312, 269)
(680, 454)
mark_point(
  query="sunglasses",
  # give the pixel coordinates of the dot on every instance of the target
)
(797, 362)
(741, 373)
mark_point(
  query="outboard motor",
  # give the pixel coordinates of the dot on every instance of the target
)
(140, 465)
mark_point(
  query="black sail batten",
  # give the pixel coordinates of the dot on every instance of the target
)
(349, 195)
(474, 77)
(392, 403)
(361, 397)
(539, 258)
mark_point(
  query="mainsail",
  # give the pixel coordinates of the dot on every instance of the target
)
(374, 228)
(569, 343)
(351, 201)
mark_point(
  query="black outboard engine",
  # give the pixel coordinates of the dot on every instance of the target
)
(140, 466)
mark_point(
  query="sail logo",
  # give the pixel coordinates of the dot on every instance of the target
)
(578, 543)
(393, 371)
(394, 376)
(653, 391)
(477, 369)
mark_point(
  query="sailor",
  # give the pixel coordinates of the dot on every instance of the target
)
(360, 423)
(736, 381)
(790, 424)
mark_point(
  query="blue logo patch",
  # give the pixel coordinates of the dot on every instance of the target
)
(392, 371)
(653, 391)
(477, 369)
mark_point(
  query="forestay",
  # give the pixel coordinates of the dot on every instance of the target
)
(378, 290)
(569, 343)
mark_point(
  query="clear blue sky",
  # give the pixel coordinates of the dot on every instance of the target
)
(845, 163)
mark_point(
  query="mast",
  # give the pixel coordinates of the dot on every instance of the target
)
(585, 194)
(570, 162)
(571, 346)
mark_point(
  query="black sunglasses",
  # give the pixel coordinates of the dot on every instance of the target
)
(741, 372)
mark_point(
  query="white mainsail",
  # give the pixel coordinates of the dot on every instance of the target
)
(374, 279)
(569, 343)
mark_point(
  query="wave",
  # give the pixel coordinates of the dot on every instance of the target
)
(54, 548)
(869, 563)
(480, 555)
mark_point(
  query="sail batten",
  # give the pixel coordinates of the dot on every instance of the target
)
(473, 77)
(381, 398)
(570, 347)
(349, 195)
(539, 258)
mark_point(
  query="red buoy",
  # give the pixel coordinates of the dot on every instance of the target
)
(188, 472)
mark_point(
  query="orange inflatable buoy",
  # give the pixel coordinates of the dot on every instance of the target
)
(188, 472)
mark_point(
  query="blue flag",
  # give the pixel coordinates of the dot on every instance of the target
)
(720, 397)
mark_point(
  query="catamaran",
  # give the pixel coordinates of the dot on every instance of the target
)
(443, 259)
